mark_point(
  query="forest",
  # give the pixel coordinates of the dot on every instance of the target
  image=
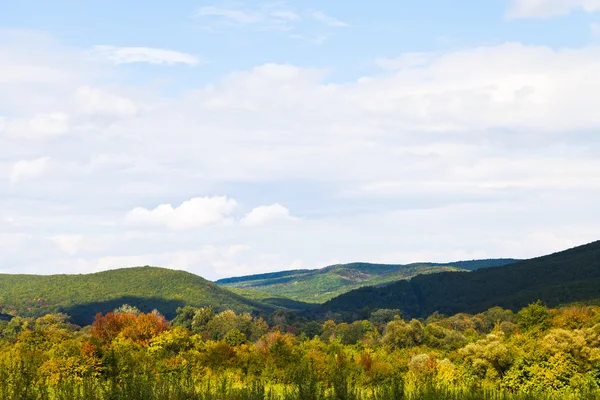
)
(568, 276)
(320, 285)
(534, 353)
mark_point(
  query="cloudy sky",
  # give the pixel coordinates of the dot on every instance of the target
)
(228, 138)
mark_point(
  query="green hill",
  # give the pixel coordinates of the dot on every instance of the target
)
(273, 300)
(147, 288)
(567, 276)
(323, 284)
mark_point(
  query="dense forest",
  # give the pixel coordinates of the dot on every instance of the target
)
(564, 277)
(320, 285)
(536, 353)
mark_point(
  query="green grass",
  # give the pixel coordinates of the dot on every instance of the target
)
(318, 286)
(82, 296)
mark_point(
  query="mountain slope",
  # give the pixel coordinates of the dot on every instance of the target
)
(324, 284)
(273, 300)
(567, 276)
(82, 296)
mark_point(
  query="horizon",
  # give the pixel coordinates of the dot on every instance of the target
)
(516, 260)
(232, 138)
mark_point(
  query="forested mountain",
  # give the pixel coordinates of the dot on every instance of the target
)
(568, 276)
(147, 288)
(324, 284)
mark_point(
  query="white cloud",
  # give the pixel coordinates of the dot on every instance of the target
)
(94, 101)
(329, 21)
(41, 126)
(127, 55)
(28, 169)
(489, 150)
(193, 213)
(239, 16)
(595, 29)
(289, 15)
(308, 26)
(69, 244)
(550, 8)
(265, 17)
(266, 214)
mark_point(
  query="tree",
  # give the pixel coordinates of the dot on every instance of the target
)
(535, 315)
(234, 338)
(139, 328)
(384, 315)
(400, 334)
(201, 318)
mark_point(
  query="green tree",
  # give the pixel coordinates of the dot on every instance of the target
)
(534, 316)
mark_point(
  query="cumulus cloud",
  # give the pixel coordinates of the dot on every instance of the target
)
(127, 55)
(550, 8)
(28, 169)
(451, 150)
(507, 86)
(266, 214)
(193, 213)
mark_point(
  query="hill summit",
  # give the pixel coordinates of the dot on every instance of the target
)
(147, 288)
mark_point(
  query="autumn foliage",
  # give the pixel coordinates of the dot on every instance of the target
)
(138, 328)
(536, 353)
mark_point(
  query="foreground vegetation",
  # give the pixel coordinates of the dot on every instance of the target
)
(536, 353)
(320, 285)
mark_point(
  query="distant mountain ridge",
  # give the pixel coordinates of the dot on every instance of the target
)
(568, 276)
(320, 285)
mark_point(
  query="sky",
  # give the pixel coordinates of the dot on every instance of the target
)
(231, 138)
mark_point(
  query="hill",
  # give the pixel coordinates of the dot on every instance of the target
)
(147, 288)
(273, 300)
(323, 284)
(567, 276)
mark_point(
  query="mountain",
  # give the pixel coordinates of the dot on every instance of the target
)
(147, 288)
(568, 276)
(323, 284)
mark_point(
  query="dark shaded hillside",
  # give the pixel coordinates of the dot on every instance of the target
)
(567, 276)
(82, 296)
(323, 284)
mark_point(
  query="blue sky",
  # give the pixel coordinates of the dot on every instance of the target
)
(228, 138)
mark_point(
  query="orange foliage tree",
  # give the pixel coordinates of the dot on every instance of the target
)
(139, 328)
